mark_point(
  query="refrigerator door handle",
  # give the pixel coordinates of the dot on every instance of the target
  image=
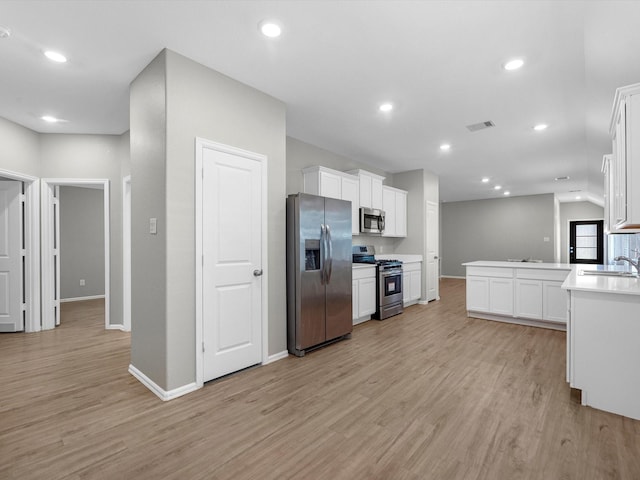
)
(330, 254)
(323, 253)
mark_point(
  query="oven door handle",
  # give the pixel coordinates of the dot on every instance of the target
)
(390, 273)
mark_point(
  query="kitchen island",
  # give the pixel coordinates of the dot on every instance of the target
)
(603, 336)
(518, 292)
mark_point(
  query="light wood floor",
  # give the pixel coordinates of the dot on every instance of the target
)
(430, 394)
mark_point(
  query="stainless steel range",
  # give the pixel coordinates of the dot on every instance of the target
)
(388, 281)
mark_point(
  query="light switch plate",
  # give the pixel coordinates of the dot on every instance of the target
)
(153, 226)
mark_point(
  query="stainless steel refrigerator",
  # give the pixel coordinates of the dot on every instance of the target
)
(318, 271)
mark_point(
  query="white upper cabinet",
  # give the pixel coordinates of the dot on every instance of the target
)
(608, 203)
(623, 199)
(370, 188)
(394, 204)
(335, 184)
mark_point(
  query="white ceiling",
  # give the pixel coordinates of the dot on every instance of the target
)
(439, 62)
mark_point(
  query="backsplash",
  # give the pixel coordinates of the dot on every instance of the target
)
(383, 245)
(627, 245)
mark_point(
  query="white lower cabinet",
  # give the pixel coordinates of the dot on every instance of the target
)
(602, 350)
(554, 302)
(490, 295)
(363, 293)
(529, 298)
(528, 294)
(411, 282)
(501, 296)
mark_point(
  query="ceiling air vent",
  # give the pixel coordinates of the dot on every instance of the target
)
(480, 126)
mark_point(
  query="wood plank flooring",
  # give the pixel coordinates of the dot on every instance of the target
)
(430, 394)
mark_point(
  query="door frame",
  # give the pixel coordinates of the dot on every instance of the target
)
(32, 247)
(126, 253)
(48, 300)
(200, 145)
(567, 246)
(427, 282)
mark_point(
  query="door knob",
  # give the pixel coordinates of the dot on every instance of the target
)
(257, 272)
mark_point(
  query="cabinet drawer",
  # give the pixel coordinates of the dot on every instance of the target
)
(412, 267)
(363, 272)
(490, 272)
(539, 274)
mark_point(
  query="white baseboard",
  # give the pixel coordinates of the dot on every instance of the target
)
(276, 356)
(80, 299)
(116, 326)
(164, 395)
(452, 276)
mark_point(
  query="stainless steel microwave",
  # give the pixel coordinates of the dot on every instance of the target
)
(371, 220)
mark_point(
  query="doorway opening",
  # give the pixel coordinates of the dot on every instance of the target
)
(586, 241)
(51, 271)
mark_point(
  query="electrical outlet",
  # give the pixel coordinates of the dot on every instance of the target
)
(82, 282)
(545, 239)
(153, 226)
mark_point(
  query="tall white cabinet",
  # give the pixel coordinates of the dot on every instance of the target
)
(623, 167)
(335, 184)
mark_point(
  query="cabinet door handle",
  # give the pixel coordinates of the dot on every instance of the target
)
(257, 272)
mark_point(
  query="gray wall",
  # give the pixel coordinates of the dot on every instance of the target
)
(496, 229)
(92, 157)
(148, 199)
(199, 103)
(81, 242)
(575, 211)
(20, 151)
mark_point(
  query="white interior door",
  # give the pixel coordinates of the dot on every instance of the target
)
(11, 316)
(433, 266)
(232, 262)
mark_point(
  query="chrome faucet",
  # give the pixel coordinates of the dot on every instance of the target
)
(627, 259)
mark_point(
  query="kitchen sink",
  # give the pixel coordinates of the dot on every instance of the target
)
(609, 273)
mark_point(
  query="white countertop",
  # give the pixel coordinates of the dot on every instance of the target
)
(575, 280)
(362, 265)
(540, 266)
(404, 258)
(600, 283)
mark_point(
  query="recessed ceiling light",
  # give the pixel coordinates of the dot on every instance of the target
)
(540, 127)
(497, 187)
(55, 56)
(445, 146)
(52, 119)
(485, 180)
(507, 192)
(270, 28)
(578, 197)
(386, 107)
(514, 64)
